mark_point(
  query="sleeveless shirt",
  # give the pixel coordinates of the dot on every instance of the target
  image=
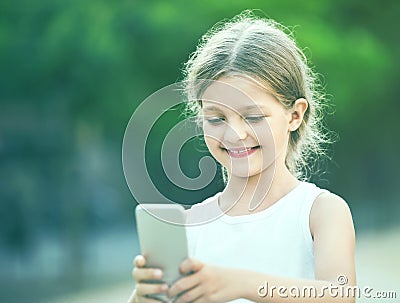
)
(276, 241)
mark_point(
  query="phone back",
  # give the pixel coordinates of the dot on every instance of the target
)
(162, 237)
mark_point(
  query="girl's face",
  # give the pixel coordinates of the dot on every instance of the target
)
(245, 128)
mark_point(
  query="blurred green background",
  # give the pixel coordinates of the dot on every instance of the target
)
(72, 73)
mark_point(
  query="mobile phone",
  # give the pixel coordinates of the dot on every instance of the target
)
(162, 239)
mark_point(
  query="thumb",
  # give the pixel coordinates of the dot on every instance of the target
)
(139, 261)
(190, 265)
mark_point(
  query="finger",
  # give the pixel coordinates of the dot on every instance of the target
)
(190, 265)
(183, 285)
(200, 299)
(135, 299)
(139, 261)
(150, 300)
(142, 274)
(144, 289)
(191, 295)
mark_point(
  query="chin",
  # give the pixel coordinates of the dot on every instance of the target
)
(244, 173)
(252, 172)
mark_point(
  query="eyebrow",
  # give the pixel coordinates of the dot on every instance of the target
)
(249, 107)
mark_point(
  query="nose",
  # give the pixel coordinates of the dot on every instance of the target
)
(235, 131)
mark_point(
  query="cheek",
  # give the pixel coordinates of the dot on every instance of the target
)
(218, 154)
(213, 134)
(274, 133)
(213, 145)
(263, 134)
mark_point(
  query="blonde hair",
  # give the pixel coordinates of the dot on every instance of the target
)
(260, 49)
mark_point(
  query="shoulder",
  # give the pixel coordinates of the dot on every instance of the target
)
(207, 203)
(329, 203)
(203, 211)
(333, 234)
(330, 211)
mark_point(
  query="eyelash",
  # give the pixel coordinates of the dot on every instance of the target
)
(255, 119)
(215, 121)
(250, 119)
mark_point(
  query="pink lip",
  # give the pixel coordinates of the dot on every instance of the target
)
(231, 152)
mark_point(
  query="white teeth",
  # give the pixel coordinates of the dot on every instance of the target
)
(239, 151)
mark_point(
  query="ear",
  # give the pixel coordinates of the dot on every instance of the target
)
(299, 108)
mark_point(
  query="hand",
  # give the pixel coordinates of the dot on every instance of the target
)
(143, 288)
(206, 283)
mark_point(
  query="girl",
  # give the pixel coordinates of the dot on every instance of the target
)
(268, 237)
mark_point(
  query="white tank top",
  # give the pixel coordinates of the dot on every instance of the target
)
(276, 241)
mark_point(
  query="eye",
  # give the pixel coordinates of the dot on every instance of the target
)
(215, 120)
(255, 119)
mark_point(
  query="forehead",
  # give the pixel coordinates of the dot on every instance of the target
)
(239, 94)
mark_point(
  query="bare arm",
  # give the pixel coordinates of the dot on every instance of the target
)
(332, 228)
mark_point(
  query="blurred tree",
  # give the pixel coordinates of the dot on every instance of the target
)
(72, 73)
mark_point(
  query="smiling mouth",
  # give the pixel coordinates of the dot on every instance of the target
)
(241, 152)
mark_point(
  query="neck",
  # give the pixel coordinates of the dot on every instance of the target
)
(256, 193)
